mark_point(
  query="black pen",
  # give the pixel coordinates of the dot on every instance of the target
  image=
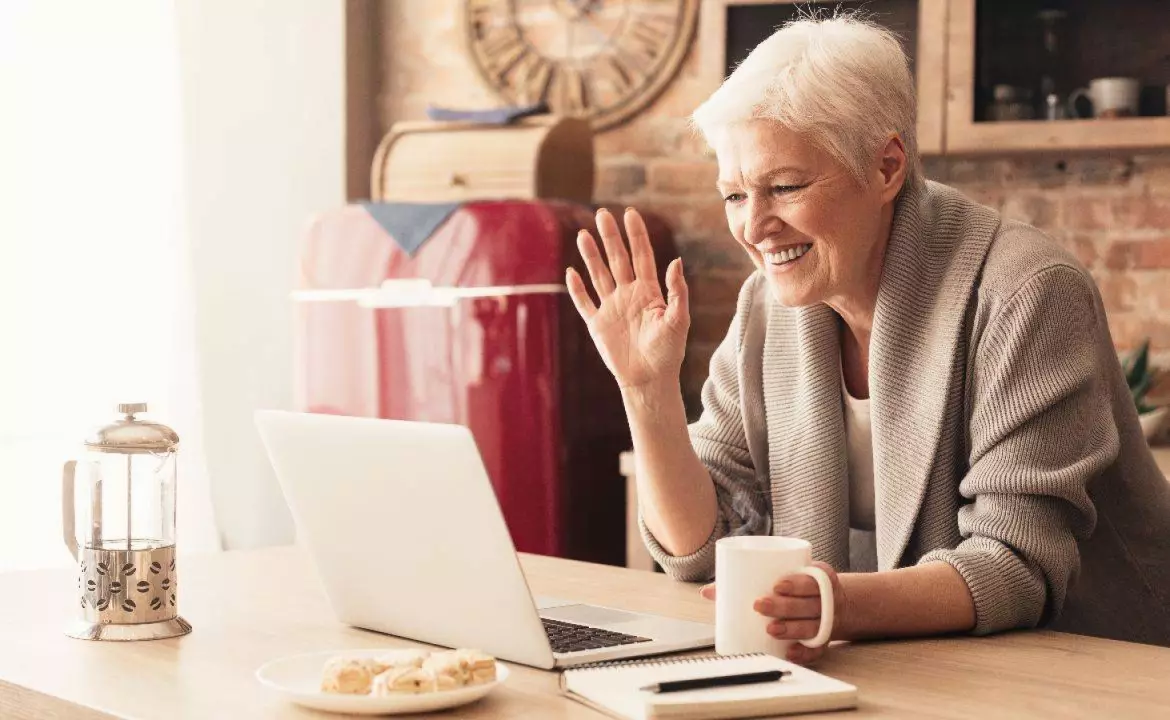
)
(719, 681)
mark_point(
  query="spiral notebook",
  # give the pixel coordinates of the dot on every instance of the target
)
(616, 688)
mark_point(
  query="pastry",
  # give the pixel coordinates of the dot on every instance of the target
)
(400, 659)
(448, 665)
(404, 680)
(447, 682)
(478, 666)
(408, 672)
(349, 676)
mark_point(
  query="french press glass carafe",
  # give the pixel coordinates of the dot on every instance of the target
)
(120, 526)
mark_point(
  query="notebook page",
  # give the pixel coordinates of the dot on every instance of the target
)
(617, 688)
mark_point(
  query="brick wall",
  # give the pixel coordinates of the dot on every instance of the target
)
(1112, 211)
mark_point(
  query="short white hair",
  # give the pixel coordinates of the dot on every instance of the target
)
(843, 82)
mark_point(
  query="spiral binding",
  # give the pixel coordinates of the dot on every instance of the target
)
(641, 663)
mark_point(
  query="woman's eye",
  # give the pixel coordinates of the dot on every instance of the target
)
(734, 197)
(782, 189)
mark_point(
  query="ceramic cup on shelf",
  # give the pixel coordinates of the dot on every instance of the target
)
(1111, 97)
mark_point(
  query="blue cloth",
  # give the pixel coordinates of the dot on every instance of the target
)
(497, 116)
(410, 224)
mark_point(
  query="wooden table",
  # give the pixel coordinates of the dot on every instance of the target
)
(209, 673)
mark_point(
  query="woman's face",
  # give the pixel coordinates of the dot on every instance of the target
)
(806, 223)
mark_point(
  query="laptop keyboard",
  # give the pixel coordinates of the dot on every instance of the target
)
(569, 637)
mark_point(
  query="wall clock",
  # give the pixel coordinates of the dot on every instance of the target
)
(602, 60)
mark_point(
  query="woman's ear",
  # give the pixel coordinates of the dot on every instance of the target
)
(892, 167)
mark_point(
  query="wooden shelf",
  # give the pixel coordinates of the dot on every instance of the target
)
(921, 23)
(965, 136)
(1059, 136)
(942, 38)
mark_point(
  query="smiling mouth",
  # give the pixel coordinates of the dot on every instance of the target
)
(784, 257)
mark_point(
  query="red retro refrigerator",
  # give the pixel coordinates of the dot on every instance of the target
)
(508, 356)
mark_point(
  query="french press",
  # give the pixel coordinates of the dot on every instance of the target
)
(120, 527)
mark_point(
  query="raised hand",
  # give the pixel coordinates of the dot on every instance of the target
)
(641, 335)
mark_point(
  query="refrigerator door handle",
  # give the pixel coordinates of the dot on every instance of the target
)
(420, 293)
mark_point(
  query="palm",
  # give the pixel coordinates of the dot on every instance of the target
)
(640, 335)
(633, 336)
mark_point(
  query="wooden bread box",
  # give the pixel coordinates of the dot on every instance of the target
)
(543, 157)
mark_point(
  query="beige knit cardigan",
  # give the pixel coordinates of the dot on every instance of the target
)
(1005, 439)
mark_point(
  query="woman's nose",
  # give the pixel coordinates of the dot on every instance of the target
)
(760, 222)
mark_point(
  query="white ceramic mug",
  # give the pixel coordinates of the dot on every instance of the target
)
(747, 568)
(1111, 97)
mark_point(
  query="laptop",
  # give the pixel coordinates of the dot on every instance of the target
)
(404, 529)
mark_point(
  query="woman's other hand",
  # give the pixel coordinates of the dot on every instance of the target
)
(794, 609)
(640, 335)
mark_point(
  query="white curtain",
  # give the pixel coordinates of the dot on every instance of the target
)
(159, 161)
(96, 302)
(263, 95)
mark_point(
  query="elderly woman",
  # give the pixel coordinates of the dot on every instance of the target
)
(904, 367)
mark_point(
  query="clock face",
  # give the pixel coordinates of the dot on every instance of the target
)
(597, 59)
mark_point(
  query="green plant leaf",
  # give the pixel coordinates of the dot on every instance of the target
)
(1137, 364)
(1139, 391)
(1127, 367)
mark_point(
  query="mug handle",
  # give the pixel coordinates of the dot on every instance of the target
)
(1072, 102)
(826, 588)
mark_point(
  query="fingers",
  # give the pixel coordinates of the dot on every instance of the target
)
(579, 294)
(678, 311)
(708, 591)
(794, 629)
(786, 607)
(615, 249)
(598, 272)
(640, 251)
(802, 655)
(798, 585)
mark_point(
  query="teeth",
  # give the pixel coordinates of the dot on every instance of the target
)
(786, 256)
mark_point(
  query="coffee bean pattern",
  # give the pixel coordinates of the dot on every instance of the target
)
(111, 589)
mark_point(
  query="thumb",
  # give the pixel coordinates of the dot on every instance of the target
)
(708, 591)
(677, 295)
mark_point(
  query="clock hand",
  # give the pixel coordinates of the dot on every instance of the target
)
(605, 40)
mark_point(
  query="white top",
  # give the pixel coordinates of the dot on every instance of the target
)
(859, 443)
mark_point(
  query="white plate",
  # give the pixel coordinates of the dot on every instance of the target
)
(298, 679)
